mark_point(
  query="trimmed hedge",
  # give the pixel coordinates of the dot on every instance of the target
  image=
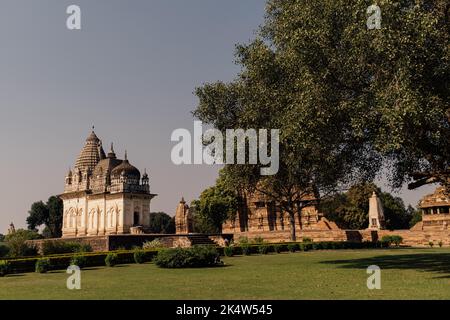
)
(248, 249)
(4, 268)
(139, 256)
(264, 249)
(111, 259)
(61, 262)
(42, 265)
(94, 259)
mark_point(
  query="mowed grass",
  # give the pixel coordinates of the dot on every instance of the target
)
(341, 274)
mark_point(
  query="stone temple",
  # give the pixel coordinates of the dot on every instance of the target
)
(104, 195)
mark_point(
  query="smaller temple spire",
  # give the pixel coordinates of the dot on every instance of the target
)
(111, 153)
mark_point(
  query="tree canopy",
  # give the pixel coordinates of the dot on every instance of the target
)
(161, 222)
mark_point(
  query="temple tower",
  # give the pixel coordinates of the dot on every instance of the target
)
(183, 218)
(376, 213)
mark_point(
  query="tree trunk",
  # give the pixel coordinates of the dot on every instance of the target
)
(292, 220)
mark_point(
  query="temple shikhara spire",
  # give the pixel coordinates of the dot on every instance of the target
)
(104, 195)
(376, 213)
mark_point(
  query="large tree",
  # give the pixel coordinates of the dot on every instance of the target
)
(48, 214)
(344, 97)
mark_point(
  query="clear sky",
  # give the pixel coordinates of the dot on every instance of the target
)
(130, 71)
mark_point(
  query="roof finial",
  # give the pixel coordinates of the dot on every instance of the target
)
(112, 147)
(126, 155)
(93, 127)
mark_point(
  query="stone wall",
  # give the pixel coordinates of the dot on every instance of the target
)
(98, 243)
(414, 238)
(128, 241)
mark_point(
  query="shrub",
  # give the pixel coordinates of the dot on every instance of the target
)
(258, 240)
(264, 249)
(79, 260)
(440, 244)
(42, 265)
(316, 245)
(305, 239)
(292, 247)
(306, 246)
(4, 268)
(139, 256)
(154, 244)
(4, 250)
(396, 240)
(386, 241)
(246, 249)
(228, 251)
(194, 257)
(243, 240)
(111, 259)
(277, 248)
(431, 244)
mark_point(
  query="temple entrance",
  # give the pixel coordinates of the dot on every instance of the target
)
(136, 221)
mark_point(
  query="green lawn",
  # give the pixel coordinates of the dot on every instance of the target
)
(406, 274)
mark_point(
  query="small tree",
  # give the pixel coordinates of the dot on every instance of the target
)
(215, 205)
(49, 214)
(17, 242)
(161, 222)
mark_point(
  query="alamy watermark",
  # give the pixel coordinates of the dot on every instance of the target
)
(74, 281)
(232, 151)
(73, 22)
(374, 280)
(374, 20)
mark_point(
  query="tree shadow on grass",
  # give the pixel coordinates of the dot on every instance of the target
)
(428, 262)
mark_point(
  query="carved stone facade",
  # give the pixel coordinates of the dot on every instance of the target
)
(183, 218)
(258, 215)
(104, 195)
(435, 211)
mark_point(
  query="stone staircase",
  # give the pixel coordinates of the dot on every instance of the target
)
(200, 239)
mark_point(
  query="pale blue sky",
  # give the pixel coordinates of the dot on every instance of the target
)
(130, 71)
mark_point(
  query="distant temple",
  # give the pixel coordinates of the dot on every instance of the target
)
(104, 195)
(257, 214)
(183, 219)
(376, 213)
(435, 211)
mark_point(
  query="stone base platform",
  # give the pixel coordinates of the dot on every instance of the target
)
(413, 238)
(128, 241)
